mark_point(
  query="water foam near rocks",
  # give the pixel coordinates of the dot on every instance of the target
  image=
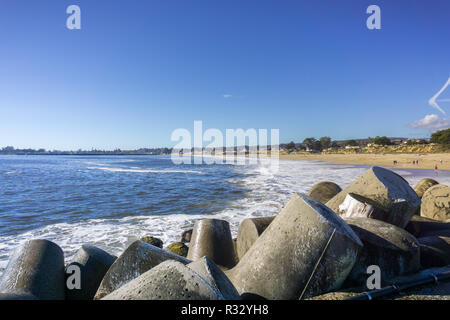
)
(111, 201)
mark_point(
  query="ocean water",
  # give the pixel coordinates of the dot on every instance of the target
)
(110, 201)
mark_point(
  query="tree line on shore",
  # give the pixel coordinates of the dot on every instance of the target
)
(326, 143)
(308, 144)
(143, 151)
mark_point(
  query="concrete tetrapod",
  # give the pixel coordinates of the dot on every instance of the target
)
(423, 185)
(434, 251)
(93, 263)
(35, 269)
(210, 272)
(306, 250)
(324, 191)
(395, 251)
(186, 236)
(212, 238)
(436, 203)
(249, 230)
(138, 258)
(390, 191)
(170, 280)
(420, 226)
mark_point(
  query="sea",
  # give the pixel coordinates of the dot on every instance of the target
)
(111, 201)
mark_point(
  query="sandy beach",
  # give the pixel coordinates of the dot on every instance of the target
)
(404, 161)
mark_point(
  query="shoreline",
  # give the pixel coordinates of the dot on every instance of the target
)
(404, 161)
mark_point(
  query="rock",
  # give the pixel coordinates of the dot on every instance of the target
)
(434, 251)
(430, 293)
(336, 295)
(170, 280)
(324, 191)
(423, 185)
(186, 236)
(153, 241)
(210, 272)
(250, 230)
(36, 268)
(436, 203)
(388, 190)
(420, 226)
(93, 263)
(178, 248)
(394, 250)
(138, 258)
(306, 250)
(212, 238)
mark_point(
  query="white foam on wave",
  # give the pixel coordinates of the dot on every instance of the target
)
(90, 163)
(268, 192)
(139, 170)
(12, 172)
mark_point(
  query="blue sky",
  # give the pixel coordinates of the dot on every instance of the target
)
(137, 70)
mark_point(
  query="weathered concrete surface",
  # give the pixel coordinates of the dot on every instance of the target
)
(212, 238)
(153, 241)
(324, 191)
(186, 236)
(249, 230)
(436, 203)
(306, 250)
(437, 233)
(170, 280)
(434, 251)
(235, 249)
(138, 258)
(210, 272)
(420, 226)
(178, 248)
(17, 296)
(393, 249)
(93, 263)
(389, 190)
(35, 268)
(423, 185)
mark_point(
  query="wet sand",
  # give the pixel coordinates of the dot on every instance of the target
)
(404, 161)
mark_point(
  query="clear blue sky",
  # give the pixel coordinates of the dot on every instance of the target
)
(138, 69)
